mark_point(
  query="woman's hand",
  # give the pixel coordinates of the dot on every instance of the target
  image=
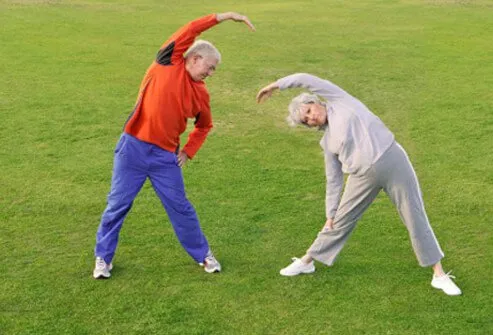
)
(266, 92)
(329, 225)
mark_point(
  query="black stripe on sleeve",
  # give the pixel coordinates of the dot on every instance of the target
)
(164, 55)
(197, 118)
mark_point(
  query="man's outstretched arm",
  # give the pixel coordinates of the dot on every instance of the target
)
(173, 49)
(235, 17)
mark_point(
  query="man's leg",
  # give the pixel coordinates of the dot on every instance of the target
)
(167, 179)
(127, 180)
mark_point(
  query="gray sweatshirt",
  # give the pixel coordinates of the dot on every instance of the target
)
(353, 140)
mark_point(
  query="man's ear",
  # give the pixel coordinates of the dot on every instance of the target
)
(196, 57)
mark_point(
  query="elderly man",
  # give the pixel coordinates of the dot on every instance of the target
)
(358, 143)
(172, 91)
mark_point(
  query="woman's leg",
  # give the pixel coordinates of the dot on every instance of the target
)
(403, 190)
(359, 193)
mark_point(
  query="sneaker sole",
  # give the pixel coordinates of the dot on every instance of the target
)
(450, 294)
(100, 275)
(213, 270)
(295, 274)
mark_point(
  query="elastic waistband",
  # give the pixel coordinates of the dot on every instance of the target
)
(138, 140)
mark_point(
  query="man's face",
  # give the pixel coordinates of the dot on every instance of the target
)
(200, 67)
(313, 115)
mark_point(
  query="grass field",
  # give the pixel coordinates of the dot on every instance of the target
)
(70, 72)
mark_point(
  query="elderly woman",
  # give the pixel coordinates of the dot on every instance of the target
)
(357, 142)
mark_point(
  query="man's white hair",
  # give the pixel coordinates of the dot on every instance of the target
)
(294, 117)
(205, 49)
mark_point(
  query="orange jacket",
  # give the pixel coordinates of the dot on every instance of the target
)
(168, 96)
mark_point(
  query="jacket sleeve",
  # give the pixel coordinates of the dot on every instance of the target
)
(321, 87)
(335, 181)
(173, 49)
(203, 124)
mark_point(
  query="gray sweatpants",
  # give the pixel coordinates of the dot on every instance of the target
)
(394, 174)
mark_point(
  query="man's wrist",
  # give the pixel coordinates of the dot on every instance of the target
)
(223, 16)
(183, 152)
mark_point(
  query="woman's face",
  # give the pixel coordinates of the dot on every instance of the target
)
(313, 115)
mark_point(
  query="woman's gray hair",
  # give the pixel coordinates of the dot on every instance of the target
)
(205, 49)
(294, 117)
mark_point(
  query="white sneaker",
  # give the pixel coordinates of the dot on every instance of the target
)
(101, 269)
(297, 267)
(210, 263)
(446, 284)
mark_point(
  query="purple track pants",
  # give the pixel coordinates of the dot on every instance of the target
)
(135, 161)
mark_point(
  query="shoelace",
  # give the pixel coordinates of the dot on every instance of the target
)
(447, 275)
(210, 260)
(100, 264)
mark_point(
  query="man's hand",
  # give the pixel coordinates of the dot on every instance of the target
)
(182, 158)
(235, 17)
(329, 225)
(266, 92)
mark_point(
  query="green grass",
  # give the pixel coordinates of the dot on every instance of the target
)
(70, 72)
